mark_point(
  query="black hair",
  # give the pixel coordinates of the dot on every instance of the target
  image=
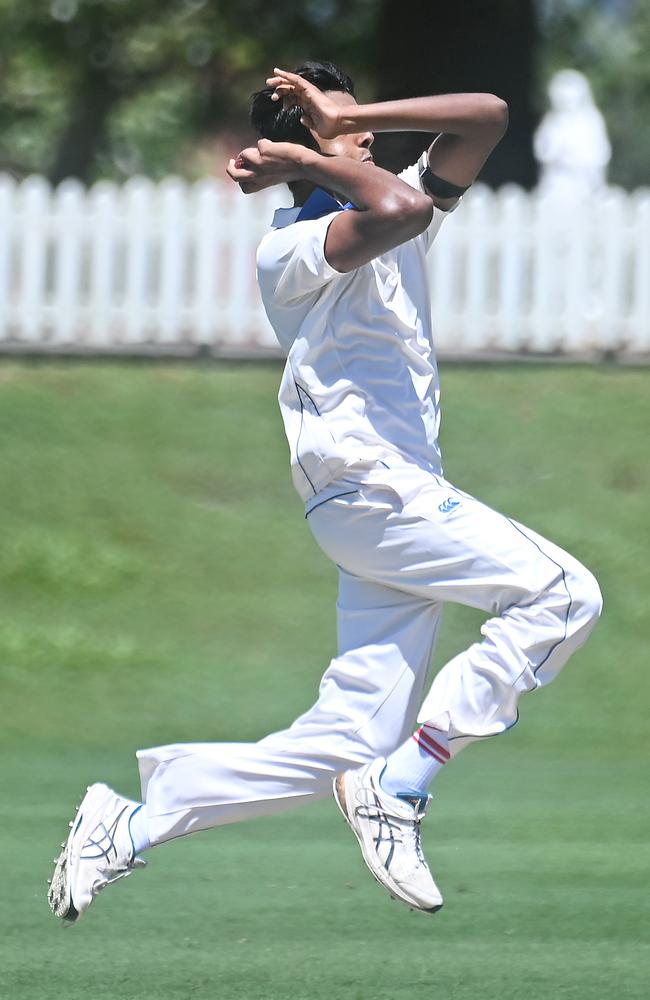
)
(271, 121)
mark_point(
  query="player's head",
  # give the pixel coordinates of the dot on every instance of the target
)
(273, 121)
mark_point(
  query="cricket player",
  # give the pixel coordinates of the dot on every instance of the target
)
(343, 278)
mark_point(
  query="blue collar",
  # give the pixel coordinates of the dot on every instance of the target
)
(321, 203)
(318, 204)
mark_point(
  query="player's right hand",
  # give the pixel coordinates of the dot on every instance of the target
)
(319, 112)
(265, 165)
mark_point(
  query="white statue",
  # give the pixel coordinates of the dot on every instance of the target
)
(571, 143)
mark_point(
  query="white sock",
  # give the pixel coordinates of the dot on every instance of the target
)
(139, 829)
(412, 767)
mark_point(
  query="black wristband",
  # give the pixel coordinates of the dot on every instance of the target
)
(438, 187)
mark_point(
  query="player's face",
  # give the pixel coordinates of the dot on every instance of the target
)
(354, 147)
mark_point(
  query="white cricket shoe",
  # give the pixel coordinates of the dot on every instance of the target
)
(98, 851)
(388, 831)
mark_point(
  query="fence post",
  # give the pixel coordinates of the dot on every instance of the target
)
(512, 264)
(104, 311)
(206, 215)
(7, 221)
(32, 233)
(613, 238)
(139, 220)
(640, 317)
(172, 276)
(477, 318)
(68, 233)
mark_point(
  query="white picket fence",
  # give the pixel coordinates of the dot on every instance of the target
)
(169, 267)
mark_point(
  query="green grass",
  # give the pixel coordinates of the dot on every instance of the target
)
(159, 583)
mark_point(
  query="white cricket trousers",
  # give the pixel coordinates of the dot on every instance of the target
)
(403, 549)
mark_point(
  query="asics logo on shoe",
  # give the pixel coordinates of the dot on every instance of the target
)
(385, 829)
(101, 842)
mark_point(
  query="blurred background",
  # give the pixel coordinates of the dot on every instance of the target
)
(121, 233)
(108, 89)
(158, 581)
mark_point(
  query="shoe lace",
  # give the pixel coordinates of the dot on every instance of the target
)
(413, 832)
(413, 826)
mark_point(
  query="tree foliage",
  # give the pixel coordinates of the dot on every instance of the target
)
(96, 88)
(609, 42)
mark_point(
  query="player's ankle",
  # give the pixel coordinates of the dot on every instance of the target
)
(139, 830)
(415, 764)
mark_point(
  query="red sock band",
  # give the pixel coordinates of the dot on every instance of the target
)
(426, 742)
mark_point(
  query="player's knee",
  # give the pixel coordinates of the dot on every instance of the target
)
(586, 598)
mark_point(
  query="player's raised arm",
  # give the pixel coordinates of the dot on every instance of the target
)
(388, 211)
(469, 127)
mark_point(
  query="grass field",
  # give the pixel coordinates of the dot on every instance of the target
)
(159, 583)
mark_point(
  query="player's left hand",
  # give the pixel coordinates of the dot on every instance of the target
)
(265, 165)
(320, 113)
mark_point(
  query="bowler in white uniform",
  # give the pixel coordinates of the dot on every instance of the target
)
(343, 280)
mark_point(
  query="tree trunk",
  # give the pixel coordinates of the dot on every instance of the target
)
(429, 47)
(85, 131)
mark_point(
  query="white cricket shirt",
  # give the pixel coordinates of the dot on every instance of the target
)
(360, 388)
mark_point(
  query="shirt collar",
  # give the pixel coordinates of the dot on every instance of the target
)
(318, 204)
